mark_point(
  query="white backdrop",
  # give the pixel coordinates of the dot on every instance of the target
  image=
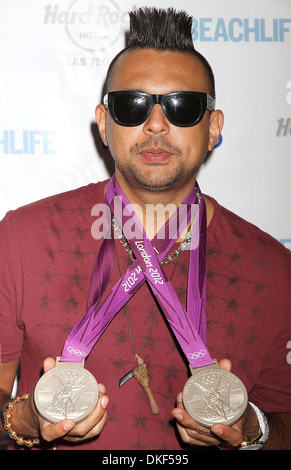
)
(53, 61)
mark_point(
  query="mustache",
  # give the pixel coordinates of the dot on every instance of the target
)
(154, 142)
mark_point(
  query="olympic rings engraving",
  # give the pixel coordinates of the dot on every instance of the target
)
(197, 354)
(75, 352)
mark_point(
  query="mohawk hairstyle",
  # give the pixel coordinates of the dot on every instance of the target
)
(162, 30)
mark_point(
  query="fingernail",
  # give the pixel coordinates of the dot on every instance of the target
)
(102, 388)
(68, 426)
(104, 402)
(218, 431)
(178, 416)
(180, 398)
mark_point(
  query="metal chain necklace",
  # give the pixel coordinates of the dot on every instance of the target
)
(167, 259)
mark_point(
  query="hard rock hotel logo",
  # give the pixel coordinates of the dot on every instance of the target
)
(92, 25)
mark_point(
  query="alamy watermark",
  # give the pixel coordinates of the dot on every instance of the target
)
(153, 220)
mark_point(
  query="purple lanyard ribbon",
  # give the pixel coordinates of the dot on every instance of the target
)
(189, 327)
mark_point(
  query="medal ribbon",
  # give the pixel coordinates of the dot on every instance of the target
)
(187, 326)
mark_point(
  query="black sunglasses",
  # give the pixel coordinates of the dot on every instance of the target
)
(182, 108)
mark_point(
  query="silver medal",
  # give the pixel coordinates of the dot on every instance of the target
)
(213, 396)
(66, 392)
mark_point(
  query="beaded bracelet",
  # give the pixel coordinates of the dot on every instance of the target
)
(7, 424)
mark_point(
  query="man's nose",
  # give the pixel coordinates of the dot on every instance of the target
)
(157, 121)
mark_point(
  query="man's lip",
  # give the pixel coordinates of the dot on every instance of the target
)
(155, 155)
(156, 151)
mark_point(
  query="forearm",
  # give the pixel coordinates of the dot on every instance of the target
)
(4, 398)
(280, 432)
(279, 429)
(22, 418)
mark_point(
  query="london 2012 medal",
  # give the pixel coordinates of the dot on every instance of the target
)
(213, 396)
(66, 392)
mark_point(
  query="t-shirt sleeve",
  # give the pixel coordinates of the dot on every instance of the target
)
(11, 332)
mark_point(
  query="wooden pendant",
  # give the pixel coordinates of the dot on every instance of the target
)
(141, 374)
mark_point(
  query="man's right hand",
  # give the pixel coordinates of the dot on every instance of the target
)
(26, 421)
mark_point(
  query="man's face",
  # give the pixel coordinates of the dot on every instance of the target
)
(157, 155)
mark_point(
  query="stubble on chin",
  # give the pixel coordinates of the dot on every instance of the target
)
(155, 177)
(159, 177)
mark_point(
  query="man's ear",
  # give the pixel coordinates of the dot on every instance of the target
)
(100, 116)
(215, 128)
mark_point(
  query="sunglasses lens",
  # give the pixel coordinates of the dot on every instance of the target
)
(130, 109)
(183, 109)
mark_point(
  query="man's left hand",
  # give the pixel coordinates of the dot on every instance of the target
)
(219, 434)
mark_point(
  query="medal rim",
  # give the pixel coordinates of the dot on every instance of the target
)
(49, 372)
(228, 422)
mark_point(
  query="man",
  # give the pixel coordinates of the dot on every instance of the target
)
(48, 253)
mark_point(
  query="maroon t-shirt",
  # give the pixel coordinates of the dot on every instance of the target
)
(47, 253)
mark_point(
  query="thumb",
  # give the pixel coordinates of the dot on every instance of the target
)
(53, 431)
(225, 364)
(48, 364)
(231, 435)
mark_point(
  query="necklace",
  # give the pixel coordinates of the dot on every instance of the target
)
(141, 371)
(177, 255)
(167, 259)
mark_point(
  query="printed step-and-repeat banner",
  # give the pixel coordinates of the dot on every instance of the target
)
(54, 56)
